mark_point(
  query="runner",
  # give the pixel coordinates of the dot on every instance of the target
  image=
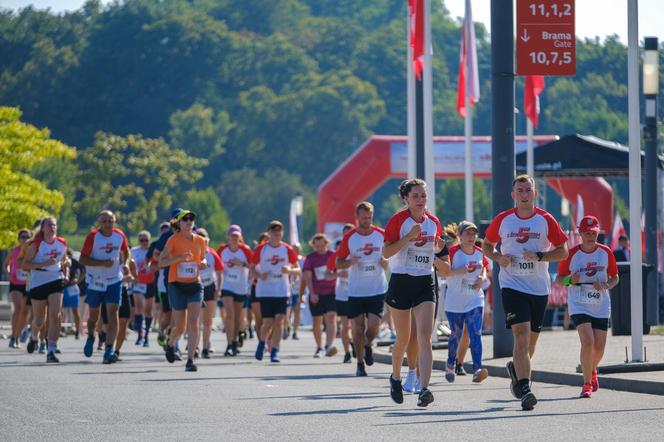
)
(341, 298)
(212, 279)
(17, 292)
(412, 236)
(464, 299)
(104, 254)
(272, 263)
(530, 238)
(321, 294)
(45, 258)
(361, 252)
(236, 256)
(300, 291)
(255, 309)
(130, 276)
(184, 255)
(143, 290)
(591, 271)
(72, 299)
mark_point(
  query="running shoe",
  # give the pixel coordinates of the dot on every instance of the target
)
(274, 355)
(425, 398)
(170, 353)
(16, 344)
(25, 334)
(449, 374)
(396, 390)
(240, 338)
(459, 370)
(418, 386)
(586, 391)
(480, 374)
(178, 354)
(513, 383)
(116, 357)
(161, 340)
(393, 336)
(190, 366)
(108, 356)
(347, 358)
(32, 344)
(319, 351)
(89, 346)
(51, 358)
(260, 349)
(295, 337)
(77, 335)
(234, 348)
(409, 385)
(206, 353)
(138, 340)
(11, 342)
(57, 350)
(368, 355)
(360, 370)
(146, 342)
(528, 399)
(228, 351)
(42, 347)
(594, 381)
(331, 351)
(211, 349)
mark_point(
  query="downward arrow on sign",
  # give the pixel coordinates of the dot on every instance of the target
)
(525, 37)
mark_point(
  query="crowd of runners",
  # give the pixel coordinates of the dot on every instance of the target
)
(174, 285)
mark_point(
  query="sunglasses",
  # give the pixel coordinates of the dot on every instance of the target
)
(143, 240)
(24, 237)
(188, 218)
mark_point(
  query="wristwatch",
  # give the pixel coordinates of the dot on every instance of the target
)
(540, 255)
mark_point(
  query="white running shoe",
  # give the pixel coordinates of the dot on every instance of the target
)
(418, 386)
(411, 382)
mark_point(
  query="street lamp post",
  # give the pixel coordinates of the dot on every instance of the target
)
(650, 91)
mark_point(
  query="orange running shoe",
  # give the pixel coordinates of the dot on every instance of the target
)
(594, 381)
(586, 391)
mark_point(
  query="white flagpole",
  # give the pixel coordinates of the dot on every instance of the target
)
(410, 85)
(429, 173)
(468, 132)
(530, 144)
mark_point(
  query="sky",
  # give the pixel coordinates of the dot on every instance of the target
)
(593, 17)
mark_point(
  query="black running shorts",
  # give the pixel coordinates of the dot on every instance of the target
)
(326, 303)
(522, 307)
(365, 305)
(405, 291)
(270, 307)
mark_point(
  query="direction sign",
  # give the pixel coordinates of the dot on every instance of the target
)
(545, 41)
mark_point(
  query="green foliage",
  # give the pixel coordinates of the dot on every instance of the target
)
(200, 131)
(24, 198)
(135, 177)
(450, 201)
(209, 213)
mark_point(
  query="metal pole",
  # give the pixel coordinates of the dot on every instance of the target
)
(468, 120)
(410, 84)
(636, 277)
(502, 144)
(427, 107)
(530, 154)
(650, 138)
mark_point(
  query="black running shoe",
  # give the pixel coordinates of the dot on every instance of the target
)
(347, 358)
(396, 390)
(115, 357)
(425, 398)
(206, 353)
(513, 383)
(170, 354)
(528, 400)
(190, 366)
(32, 344)
(368, 355)
(235, 348)
(360, 370)
(459, 370)
(240, 338)
(51, 358)
(178, 355)
(229, 351)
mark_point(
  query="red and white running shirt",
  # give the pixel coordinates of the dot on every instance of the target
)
(416, 259)
(367, 277)
(596, 266)
(236, 278)
(101, 247)
(45, 251)
(215, 264)
(341, 287)
(538, 233)
(144, 275)
(271, 259)
(460, 296)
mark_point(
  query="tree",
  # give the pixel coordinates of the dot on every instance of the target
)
(450, 201)
(209, 213)
(135, 177)
(24, 198)
(200, 131)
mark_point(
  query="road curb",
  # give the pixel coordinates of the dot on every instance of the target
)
(550, 377)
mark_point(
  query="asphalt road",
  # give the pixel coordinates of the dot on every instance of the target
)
(302, 398)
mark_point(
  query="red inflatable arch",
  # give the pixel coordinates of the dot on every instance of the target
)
(382, 158)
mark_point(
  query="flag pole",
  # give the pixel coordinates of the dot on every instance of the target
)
(429, 172)
(410, 85)
(530, 154)
(468, 132)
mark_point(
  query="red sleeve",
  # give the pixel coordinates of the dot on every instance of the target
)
(563, 267)
(393, 228)
(332, 262)
(88, 244)
(62, 240)
(256, 258)
(612, 269)
(485, 262)
(247, 252)
(452, 251)
(221, 249)
(342, 250)
(125, 246)
(493, 231)
(439, 229)
(556, 235)
(292, 256)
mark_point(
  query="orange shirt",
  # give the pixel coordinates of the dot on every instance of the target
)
(185, 271)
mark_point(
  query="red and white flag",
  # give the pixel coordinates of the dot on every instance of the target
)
(468, 63)
(534, 87)
(417, 35)
(617, 232)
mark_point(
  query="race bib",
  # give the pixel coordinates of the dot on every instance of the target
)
(589, 295)
(187, 270)
(343, 284)
(21, 275)
(99, 283)
(232, 274)
(276, 275)
(467, 286)
(418, 260)
(207, 277)
(140, 288)
(320, 272)
(369, 269)
(521, 267)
